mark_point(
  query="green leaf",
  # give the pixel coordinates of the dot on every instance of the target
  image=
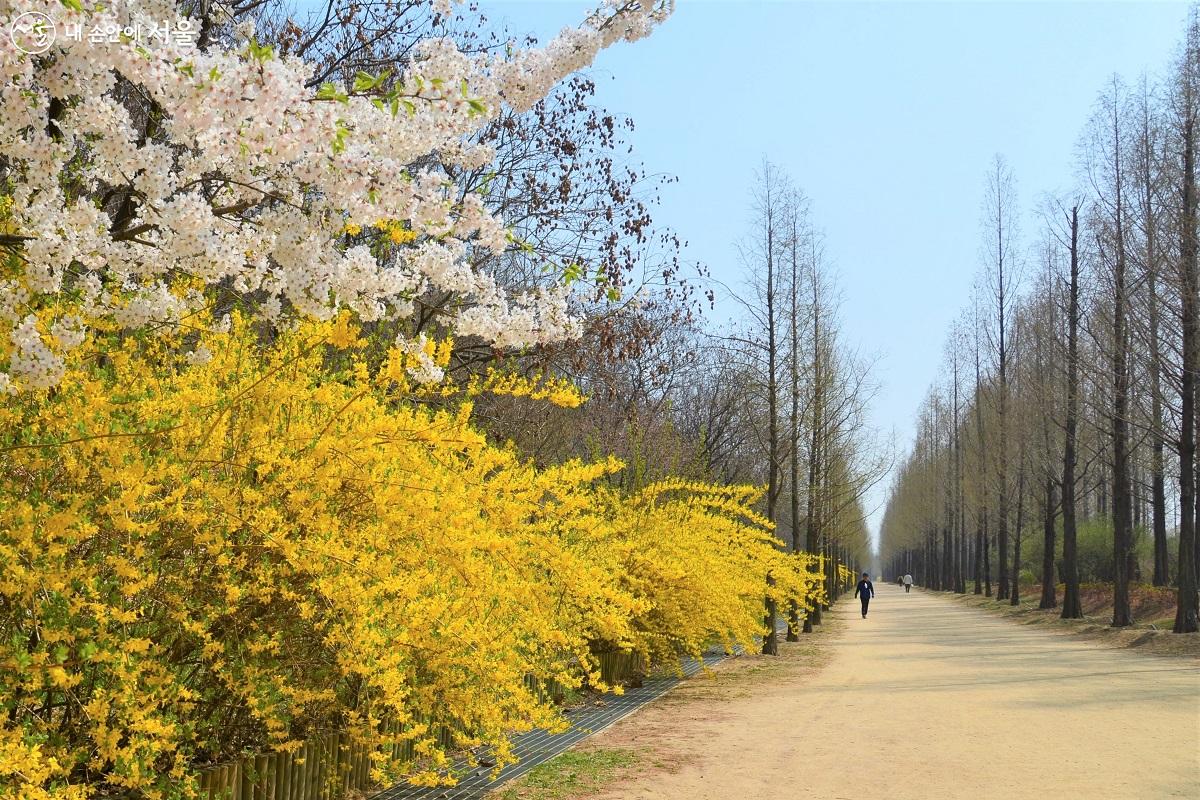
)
(364, 81)
(74, 5)
(329, 91)
(260, 52)
(572, 273)
(339, 138)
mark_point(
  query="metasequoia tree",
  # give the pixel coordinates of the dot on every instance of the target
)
(842, 461)
(1183, 113)
(801, 244)
(982, 469)
(820, 370)
(1000, 231)
(1108, 179)
(1148, 180)
(1105, 350)
(1071, 608)
(1083, 384)
(1045, 340)
(809, 392)
(763, 254)
(1022, 426)
(1037, 421)
(959, 520)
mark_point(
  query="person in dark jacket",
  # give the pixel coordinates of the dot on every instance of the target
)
(865, 590)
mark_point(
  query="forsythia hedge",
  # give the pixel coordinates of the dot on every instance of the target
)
(284, 539)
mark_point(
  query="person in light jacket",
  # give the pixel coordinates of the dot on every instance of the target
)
(865, 591)
(907, 582)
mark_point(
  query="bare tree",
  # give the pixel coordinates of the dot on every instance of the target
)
(1107, 173)
(1185, 107)
(1148, 185)
(761, 255)
(1000, 219)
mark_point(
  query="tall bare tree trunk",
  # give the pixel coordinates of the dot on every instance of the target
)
(1122, 489)
(1187, 611)
(1045, 378)
(960, 520)
(987, 558)
(978, 562)
(1014, 597)
(981, 435)
(1072, 608)
(812, 532)
(769, 203)
(825, 494)
(770, 645)
(1158, 489)
(1049, 597)
(1158, 486)
(1001, 190)
(1122, 511)
(794, 437)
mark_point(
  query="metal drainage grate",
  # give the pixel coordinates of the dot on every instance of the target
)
(538, 746)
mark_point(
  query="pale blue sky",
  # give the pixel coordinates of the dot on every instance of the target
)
(887, 115)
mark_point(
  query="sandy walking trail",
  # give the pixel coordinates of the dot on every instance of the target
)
(929, 699)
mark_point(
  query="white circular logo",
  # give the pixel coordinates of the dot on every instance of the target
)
(33, 32)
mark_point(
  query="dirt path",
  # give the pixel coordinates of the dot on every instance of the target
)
(927, 699)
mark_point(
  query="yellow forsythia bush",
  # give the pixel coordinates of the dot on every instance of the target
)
(208, 559)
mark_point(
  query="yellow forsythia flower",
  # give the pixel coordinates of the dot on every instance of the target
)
(233, 555)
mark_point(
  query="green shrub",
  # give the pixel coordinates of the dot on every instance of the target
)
(1095, 544)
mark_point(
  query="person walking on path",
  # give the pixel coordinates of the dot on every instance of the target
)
(907, 583)
(865, 591)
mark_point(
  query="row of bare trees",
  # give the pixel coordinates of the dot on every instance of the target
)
(774, 397)
(1068, 397)
(803, 391)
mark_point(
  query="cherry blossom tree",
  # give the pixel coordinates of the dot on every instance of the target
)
(144, 180)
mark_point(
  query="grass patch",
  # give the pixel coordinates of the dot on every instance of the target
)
(569, 774)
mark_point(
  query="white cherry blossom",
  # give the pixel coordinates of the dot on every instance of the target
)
(250, 179)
